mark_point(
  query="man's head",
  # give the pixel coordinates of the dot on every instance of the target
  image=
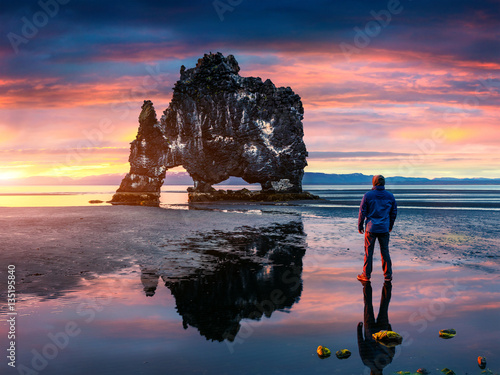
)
(378, 180)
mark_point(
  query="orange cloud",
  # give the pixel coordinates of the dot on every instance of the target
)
(394, 100)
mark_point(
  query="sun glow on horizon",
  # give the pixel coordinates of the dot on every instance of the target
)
(355, 111)
(10, 175)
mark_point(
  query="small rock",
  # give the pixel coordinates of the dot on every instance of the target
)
(481, 361)
(95, 201)
(423, 371)
(343, 354)
(323, 352)
(447, 371)
(447, 333)
(388, 338)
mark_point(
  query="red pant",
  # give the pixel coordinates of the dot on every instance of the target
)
(383, 240)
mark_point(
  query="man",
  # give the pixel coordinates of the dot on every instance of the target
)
(378, 207)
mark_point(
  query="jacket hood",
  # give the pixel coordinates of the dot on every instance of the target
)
(378, 180)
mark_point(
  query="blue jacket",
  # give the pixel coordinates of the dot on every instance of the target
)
(379, 208)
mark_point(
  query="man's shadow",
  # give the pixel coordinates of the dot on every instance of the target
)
(373, 354)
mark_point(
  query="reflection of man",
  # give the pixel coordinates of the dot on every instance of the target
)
(379, 209)
(374, 355)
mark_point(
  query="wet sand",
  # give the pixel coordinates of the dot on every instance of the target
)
(54, 247)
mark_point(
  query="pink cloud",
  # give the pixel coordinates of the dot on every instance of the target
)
(392, 99)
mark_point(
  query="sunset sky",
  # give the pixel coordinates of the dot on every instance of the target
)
(416, 93)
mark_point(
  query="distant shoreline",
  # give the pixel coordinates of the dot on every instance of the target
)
(310, 178)
(363, 184)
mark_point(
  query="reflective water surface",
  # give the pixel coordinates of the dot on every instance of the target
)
(484, 197)
(259, 299)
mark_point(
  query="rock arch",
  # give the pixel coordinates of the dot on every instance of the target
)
(218, 125)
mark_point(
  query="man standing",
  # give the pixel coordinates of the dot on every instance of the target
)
(379, 208)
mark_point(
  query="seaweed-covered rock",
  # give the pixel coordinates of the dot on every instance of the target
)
(218, 125)
(343, 354)
(447, 333)
(388, 338)
(447, 371)
(423, 371)
(323, 352)
(247, 195)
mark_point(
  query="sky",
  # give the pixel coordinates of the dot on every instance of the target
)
(403, 88)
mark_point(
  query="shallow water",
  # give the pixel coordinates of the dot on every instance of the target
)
(265, 296)
(471, 197)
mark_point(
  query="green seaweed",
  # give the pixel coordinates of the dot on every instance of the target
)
(388, 338)
(323, 352)
(447, 371)
(447, 333)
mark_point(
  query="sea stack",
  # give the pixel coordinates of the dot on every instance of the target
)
(218, 125)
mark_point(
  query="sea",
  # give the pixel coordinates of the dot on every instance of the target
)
(259, 297)
(458, 197)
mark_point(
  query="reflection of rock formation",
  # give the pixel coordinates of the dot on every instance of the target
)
(216, 304)
(218, 125)
(149, 279)
(257, 271)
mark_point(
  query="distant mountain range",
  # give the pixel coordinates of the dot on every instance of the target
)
(310, 178)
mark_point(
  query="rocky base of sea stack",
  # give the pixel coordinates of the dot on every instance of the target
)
(136, 199)
(247, 195)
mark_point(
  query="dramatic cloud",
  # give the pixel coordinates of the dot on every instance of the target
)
(406, 87)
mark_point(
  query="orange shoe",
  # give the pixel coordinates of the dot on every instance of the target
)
(363, 278)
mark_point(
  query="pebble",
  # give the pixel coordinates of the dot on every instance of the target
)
(481, 361)
(343, 354)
